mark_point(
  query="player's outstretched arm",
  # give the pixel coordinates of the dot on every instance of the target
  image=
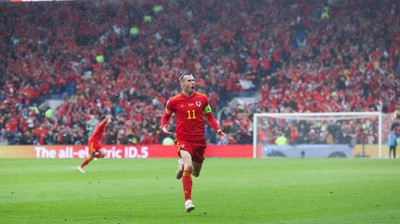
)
(213, 122)
(164, 124)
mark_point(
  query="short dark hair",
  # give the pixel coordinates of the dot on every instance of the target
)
(183, 74)
(102, 117)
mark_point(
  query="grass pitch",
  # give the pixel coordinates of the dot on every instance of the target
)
(227, 191)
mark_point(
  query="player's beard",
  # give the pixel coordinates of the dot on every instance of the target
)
(190, 90)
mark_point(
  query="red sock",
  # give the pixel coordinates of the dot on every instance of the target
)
(85, 162)
(187, 184)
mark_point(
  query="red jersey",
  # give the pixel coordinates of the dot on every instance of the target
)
(189, 113)
(98, 131)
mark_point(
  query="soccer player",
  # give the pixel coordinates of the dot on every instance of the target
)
(189, 107)
(96, 150)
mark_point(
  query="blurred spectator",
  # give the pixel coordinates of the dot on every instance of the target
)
(91, 125)
(168, 141)
(281, 139)
(297, 56)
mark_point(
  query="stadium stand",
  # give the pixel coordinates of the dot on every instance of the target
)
(123, 57)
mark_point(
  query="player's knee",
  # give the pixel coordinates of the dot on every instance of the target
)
(102, 152)
(188, 167)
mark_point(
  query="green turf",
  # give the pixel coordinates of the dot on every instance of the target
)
(228, 191)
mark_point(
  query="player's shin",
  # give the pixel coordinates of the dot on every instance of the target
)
(85, 162)
(187, 184)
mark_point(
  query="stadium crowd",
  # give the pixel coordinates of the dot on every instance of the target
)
(123, 58)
